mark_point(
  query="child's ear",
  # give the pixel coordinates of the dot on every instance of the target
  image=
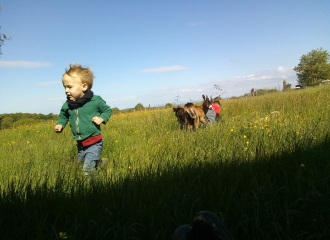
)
(84, 87)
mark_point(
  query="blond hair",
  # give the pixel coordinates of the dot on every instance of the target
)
(86, 75)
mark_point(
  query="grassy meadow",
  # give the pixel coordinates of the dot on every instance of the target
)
(264, 170)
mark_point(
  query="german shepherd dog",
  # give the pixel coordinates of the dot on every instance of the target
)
(195, 114)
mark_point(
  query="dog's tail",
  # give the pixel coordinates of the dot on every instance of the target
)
(191, 112)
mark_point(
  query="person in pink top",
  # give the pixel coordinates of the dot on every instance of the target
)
(217, 108)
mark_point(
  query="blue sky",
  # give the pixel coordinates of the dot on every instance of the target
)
(150, 52)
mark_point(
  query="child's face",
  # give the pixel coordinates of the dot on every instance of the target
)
(74, 88)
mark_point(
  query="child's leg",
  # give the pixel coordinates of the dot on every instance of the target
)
(81, 155)
(90, 155)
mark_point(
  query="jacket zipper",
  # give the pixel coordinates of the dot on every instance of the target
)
(77, 122)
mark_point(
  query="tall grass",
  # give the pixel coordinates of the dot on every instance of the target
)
(266, 175)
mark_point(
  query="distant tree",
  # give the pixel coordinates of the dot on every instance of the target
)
(7, 122)
(49, 116)
(25, 121)
(313, 66)
(25, 115)
(3, 37)
(245, 95)
(233, 98)
(139, 107)
(115, 110)
(37, 116)
(169, 105)
(286, 86)
(266, 91)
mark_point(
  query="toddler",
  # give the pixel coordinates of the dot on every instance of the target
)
(85, 112)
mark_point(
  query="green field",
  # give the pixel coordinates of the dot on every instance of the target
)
(266, 174)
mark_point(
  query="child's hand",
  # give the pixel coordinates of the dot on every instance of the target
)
(58, 128)
(97, 120)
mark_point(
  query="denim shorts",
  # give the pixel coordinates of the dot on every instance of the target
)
(90, 155)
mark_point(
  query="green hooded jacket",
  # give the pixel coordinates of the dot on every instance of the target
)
(80, 119)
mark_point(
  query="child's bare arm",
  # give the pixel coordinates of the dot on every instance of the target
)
(58, 128)
(97, 120)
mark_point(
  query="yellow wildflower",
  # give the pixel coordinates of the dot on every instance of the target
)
(63, 235)
(302, 165)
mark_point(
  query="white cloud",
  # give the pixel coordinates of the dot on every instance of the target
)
(196, 23)
(24, 64)
(165, 69)
(47, 83)
(235, 86)
(267, 76)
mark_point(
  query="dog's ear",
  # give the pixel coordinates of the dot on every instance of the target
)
(203, 97)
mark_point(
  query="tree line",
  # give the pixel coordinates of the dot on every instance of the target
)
(139, 107)
(9, 120)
